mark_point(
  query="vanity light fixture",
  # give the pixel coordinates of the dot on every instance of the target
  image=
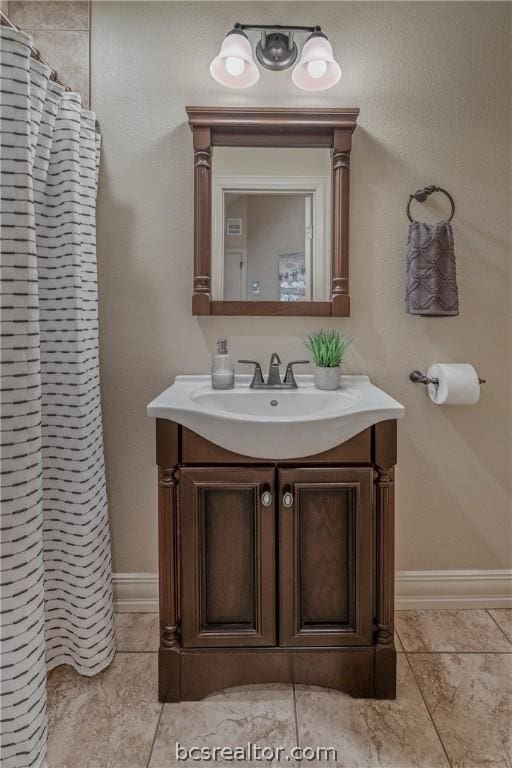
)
(277, 50)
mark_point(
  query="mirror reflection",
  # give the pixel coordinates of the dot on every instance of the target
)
(270, 224)
(267, 246)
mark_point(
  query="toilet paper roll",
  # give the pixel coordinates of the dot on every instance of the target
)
(458, 384)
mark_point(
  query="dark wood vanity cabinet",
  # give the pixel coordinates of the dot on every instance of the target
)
(276, 571)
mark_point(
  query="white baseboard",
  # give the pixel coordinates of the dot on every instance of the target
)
(138, 592)
(453, 589)
(135, 592)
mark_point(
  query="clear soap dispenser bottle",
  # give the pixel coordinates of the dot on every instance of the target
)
(223, 369)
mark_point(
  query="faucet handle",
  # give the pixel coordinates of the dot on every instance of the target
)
(289, 377)
(257, 379)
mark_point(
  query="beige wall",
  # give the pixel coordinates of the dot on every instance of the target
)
(433, 84)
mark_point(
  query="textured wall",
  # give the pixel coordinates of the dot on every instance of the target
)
(60, 31)
(433, 84)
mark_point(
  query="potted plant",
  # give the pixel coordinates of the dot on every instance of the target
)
(328, 348)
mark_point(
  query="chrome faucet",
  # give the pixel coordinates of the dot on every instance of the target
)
(274, 375)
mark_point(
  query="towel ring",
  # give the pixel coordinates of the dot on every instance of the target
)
(422, 194)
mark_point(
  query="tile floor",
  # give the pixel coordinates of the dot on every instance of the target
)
(454, 705)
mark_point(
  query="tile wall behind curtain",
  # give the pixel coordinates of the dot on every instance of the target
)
(60, 31)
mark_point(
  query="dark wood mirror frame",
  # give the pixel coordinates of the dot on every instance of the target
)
(272, 127)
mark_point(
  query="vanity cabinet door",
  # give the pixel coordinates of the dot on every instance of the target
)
(326, 557)
(228, 558)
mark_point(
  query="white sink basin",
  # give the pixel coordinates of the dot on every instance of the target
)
(275, 424)
(276, 406)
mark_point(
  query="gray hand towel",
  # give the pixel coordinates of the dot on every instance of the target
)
(431, 281)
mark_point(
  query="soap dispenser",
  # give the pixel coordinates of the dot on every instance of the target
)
(223, 369)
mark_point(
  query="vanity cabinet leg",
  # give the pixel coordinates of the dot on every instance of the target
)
(169, 570)
(385, 653)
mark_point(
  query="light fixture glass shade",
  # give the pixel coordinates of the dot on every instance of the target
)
(317, 69)
(234, 66)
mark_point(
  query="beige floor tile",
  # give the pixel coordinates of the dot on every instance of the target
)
(503, 617)
(106, 721)
(371, 734)
(50, 14)
(449, 630)
(398, 643)
(137, 631)
(470, 699)
(261, 714)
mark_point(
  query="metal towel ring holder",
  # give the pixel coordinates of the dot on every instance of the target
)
(422, 194)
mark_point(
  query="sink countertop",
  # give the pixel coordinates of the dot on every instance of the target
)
(282, 423)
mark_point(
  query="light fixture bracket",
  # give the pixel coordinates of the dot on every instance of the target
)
(276, 50)
(274, 28)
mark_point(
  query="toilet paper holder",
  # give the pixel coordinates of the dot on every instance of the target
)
(419, 378)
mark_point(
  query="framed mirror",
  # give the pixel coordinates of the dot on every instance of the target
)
(271, 210)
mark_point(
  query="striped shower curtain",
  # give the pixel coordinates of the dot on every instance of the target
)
(56, 588)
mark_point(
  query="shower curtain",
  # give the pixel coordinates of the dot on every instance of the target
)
(56, 586)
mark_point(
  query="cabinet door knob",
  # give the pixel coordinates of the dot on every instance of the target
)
(287, 499)
(266, 498)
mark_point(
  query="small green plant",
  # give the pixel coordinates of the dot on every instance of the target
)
(328, 347)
